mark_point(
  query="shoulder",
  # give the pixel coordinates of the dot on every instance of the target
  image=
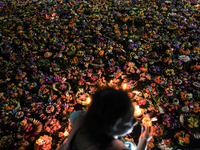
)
(75, 115)
(118, 145)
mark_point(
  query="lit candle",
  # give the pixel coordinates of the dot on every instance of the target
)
(124, 86)
(88, 100)
(40, 142)
(138, 112)
(66, 133)
(110, 83)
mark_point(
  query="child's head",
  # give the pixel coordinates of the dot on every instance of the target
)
(110, 114)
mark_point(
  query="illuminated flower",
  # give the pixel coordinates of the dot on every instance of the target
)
(142, 102)
(43, 142)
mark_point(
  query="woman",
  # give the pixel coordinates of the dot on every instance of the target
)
(109, 117)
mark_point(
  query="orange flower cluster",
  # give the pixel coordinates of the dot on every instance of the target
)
(157, 130)
(151, 144)
(196, 108)
(195, 68)
(52, 125)
(44, 143)
(185, 96)
(183, 139)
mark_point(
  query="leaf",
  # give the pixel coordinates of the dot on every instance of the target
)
(154, 99)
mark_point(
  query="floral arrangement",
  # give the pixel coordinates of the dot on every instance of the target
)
(183, 138)
(52, 61)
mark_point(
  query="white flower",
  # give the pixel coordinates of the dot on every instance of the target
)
(190, 95)
(185, 109)
(184, 58)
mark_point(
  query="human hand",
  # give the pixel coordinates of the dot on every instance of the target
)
(146, 133)
(145, 137)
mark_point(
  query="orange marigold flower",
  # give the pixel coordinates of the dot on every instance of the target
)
(60, 134)
(152, 84)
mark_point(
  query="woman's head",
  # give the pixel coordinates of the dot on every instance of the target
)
(110, 113)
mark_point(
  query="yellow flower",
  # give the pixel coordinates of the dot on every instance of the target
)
(196, 125)
(193, 122)
(181, 142)
(170, 72)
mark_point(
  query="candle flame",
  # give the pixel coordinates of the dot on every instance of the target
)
(138, 112)
(137, 107)
(88, 100)
(124, 86)
(66, 133)
(41, 141)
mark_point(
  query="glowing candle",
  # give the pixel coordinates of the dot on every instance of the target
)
(196, 5)
(66, 133)
(138, 112)
(110, 83)
(88, 100)
(40, 142)
(124, 86)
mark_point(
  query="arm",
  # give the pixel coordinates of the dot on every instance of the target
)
(145, 136)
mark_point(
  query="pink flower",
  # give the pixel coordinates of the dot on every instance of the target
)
(142, 102)
(62, 86)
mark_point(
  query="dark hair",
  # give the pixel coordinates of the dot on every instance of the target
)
(107, 106)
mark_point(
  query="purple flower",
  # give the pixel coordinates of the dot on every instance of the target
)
(162, 81)
(191, 106)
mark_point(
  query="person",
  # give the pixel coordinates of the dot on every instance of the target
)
(110, 116)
